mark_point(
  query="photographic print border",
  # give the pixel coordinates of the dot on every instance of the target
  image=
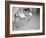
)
(26, 31)
(7, 18)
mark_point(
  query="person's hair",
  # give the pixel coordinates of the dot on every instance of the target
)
(27, 10)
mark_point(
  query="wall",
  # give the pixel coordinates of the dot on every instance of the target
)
(28, 0)
(2, 20)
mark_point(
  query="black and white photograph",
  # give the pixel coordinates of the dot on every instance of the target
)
(26, 18)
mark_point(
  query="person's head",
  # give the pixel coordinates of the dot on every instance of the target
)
(27, 10)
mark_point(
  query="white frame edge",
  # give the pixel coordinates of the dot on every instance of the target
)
(27, 31)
